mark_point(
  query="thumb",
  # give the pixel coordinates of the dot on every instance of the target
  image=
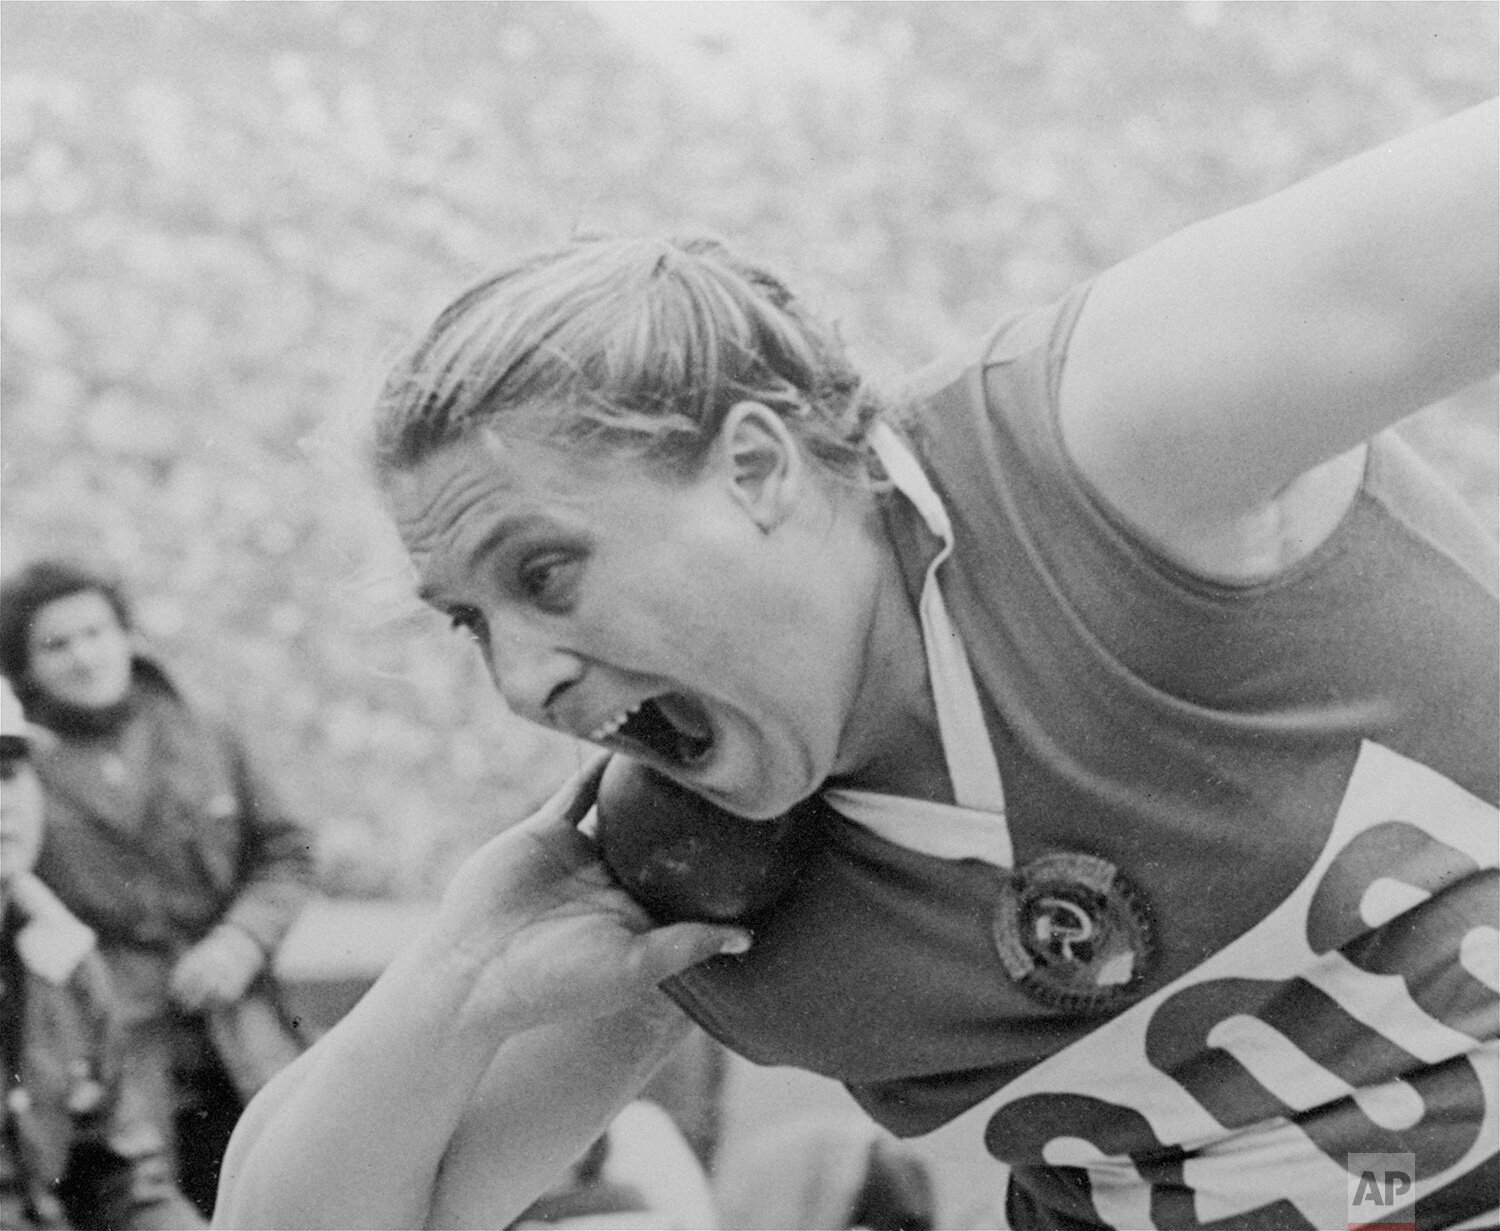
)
(670, 950)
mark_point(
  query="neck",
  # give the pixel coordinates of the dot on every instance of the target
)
(892, 742)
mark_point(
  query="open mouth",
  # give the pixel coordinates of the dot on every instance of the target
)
(670, 728)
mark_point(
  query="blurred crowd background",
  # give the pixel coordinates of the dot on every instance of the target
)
(220, 218)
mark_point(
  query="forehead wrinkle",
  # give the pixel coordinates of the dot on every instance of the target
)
(493, 491)
(441, 516)
(492, 538)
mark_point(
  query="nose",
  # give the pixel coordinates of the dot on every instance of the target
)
(529, 669)
(88, 651)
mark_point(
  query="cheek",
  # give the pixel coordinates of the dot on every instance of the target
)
(720, 618)
(676, 596)
(46, 668)
(727, 636)
(716, 609)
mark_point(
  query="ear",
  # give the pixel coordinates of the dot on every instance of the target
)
(759, 460)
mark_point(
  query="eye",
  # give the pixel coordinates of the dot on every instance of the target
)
(469, 621)
(549, 578)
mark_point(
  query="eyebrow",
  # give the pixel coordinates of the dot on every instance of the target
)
(507, 527)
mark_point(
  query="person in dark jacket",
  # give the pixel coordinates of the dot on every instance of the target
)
(162, 838)
(71, 1152)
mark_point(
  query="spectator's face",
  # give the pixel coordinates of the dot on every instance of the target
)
(703, 625)
(20, 809)
(77, 653)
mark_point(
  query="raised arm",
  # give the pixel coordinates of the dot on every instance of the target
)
(537, 972)
(1210, 371)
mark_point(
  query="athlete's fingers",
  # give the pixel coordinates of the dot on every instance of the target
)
(574, 798)
(667, 951)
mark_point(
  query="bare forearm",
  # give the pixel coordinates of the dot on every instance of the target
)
(538, 976)
(352, 1134)
(549, 1094)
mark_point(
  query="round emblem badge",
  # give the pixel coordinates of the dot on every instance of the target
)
(1074, 933)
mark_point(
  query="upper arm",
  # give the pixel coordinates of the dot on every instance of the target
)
(1210, 371)
(572, 1078)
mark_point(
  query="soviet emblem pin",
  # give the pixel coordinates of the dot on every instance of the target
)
(1074, 933)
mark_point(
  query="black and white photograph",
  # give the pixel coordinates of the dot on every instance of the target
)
(750, 615)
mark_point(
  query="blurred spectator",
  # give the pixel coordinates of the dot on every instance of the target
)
(160, 838)
(641, 1174)
(70, 1152)
(827, 1172)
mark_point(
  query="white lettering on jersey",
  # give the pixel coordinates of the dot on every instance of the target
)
(1361, 1015)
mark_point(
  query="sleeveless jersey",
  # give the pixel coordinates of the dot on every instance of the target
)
(1297, 781)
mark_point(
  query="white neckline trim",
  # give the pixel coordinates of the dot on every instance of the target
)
(944, 831)
(970, 758)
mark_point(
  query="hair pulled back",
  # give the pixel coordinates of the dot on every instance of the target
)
(625, 345)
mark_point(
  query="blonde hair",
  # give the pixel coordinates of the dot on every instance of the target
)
(625, 345)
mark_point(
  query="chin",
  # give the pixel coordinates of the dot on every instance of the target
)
(767, 807)
(760, 814)
(727, 799)
(752, 788)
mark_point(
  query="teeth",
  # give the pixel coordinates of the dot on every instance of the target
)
(610, 725)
